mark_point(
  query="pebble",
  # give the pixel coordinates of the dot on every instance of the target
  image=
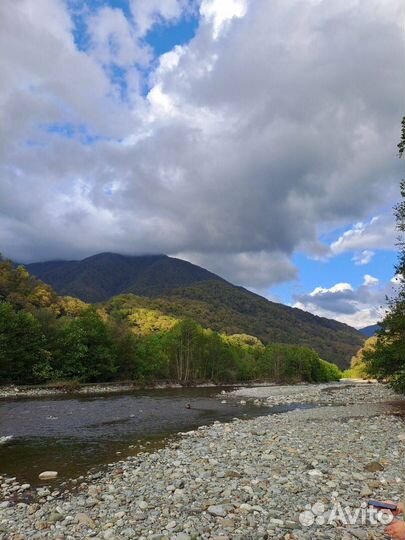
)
(48, 475)
(217, 511)
(245, 479)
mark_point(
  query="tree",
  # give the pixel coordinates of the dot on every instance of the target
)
(22, 345)
(387, 359)
(86, 349)
(184, 347)
(358, 366)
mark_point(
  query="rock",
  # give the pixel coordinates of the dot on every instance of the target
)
(365, 491)
(48, 475)
(54, 517)
(359, 533)
(216, 510)
(84, 519)
(373, 466)
(244, 479)
(278, 522)
(228, 523)
(315, 472)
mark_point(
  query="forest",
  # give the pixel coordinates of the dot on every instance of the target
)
(178, 289)
(47, 338)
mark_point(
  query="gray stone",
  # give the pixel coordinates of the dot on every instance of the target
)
(216, 510)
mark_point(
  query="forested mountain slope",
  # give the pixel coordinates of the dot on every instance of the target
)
(48, 338)
(182, 289)
(102, 276)
(234, 310)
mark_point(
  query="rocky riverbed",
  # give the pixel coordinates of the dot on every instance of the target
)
(342, 393)
(13, 391)
(296, 475)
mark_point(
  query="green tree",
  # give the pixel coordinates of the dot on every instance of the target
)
(22, 345)
(387, 359)
(184, 349)
(153, 360)
(86, 349)
(126, 350)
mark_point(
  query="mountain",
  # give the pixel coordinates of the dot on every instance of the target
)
(181, 289)
(371, 330)
(102, 276)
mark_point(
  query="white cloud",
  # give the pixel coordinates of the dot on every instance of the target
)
(254, 270)
(220, 12)
(378, 233)
(113, 39)
(363, 257)
(370, 280)
(338, 288)
(357, 306)
(231, 155)
(147, 13)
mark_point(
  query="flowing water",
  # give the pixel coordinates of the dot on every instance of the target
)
(73, 434)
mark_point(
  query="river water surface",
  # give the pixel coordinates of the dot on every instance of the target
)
(73, 434)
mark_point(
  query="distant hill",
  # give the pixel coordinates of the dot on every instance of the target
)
(370, 331)
(105, 275)
(181, 289)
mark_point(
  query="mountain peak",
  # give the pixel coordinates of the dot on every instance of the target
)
(183, 289)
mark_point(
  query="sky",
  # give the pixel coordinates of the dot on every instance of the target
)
(256, 138)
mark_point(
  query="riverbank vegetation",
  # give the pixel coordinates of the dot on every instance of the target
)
(359, 369)
(386, 359)
(175, 289)
(45, 337)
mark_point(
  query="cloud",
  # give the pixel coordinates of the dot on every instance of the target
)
(113, 39)
(220, 12)
(358, 307)
(370, 280)
(278, 120)
(378, 233)
(147, 13)
(253, 270)
(363, 257)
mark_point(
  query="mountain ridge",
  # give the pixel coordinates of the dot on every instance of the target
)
(370, 330)
(100, 277)
(183, 289)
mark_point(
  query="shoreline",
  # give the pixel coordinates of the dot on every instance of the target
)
(34, 391)
(65, 388)
(244, 479)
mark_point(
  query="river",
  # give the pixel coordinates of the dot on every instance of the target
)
(73, 434)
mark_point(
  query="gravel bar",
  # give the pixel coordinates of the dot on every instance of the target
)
(281, 476)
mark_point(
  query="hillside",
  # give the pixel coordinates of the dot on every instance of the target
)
(234, 310)
(102, 276)
(371, 330)
(180, 289)
(68, 342)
